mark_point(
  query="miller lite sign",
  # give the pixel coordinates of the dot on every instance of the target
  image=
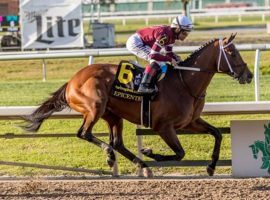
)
(51, 23)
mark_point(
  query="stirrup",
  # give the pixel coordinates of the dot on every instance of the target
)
(146, 90)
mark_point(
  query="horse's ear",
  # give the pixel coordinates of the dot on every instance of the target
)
(232, 37)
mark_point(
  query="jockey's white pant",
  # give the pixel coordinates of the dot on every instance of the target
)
(136, 46)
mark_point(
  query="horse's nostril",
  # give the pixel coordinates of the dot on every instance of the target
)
(250, 76)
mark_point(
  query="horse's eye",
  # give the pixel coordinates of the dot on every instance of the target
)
(232, 53)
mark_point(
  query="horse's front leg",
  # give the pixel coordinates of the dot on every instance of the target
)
(202, 126)
(168, 134)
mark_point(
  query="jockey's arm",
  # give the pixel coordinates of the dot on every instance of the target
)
(155, 53)
(169, 52)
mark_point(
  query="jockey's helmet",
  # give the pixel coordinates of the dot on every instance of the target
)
(182, 22)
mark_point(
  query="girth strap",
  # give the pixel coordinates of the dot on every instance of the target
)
(145, 111)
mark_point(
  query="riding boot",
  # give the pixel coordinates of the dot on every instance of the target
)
(147, 85)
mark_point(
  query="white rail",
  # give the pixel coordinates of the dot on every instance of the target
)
(16, 112)
(222, 108)
(30, 55)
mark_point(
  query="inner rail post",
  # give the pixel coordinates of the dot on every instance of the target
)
(256, 75)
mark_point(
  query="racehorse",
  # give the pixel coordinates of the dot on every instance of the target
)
(178, 104)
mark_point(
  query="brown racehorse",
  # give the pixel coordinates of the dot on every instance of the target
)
(178, 104)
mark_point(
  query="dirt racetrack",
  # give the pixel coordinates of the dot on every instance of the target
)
(158, 188)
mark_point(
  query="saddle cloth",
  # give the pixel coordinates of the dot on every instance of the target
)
(127, 81)
(126, 84)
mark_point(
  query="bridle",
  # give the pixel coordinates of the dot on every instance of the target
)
(222, 52)
(196, 69)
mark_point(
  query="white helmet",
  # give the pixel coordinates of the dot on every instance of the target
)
(183, 22)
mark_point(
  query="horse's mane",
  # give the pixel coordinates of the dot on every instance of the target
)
(198, 51)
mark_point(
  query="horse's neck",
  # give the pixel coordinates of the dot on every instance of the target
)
(199, 81)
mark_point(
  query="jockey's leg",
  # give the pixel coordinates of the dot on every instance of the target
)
(147, 85)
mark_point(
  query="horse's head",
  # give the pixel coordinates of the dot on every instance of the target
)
(231, 62)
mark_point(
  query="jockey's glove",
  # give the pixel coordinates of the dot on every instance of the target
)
(174, 63)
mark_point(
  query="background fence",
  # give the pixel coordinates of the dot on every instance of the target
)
(255, 107)
(91, 53)
(16, 112)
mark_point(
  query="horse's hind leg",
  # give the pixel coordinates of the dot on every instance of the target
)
(85, 132)
(115, 124)
(90, 118)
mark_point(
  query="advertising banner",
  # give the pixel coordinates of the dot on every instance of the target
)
(250, 148)
(51, 23)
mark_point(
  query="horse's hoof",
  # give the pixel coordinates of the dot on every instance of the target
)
(110, 162)
(147, 173)
(108, 149)
(210, 170)
(146, 151)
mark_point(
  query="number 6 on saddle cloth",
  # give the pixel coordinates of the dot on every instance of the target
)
(127, 82)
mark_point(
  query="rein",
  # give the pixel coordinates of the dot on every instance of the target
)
(196, 69)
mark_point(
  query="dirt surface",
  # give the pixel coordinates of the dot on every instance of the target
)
(165, 188)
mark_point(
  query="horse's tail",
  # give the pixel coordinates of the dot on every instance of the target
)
(55, 103)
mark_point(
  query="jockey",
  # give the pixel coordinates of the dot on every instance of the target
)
(147, 43)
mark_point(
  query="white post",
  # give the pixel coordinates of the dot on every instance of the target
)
(216, 19)
(91, 60)
(44, 70)
(263, 17)
(150, 6)
(146, 21)
(115, 166)
(112, 7)
(256, 75)
(139, 147)
(193, 19)
(268, 27)
(92, 13)
(98, 9)
(200, 4)
(239, 18)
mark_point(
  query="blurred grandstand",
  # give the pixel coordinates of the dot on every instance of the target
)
(9, 9)
(158, 5)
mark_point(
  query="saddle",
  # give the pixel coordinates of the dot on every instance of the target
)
(126, 84)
